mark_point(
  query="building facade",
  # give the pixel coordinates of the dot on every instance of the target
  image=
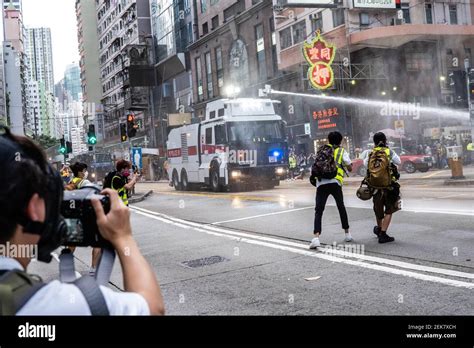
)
(235, 48)
(89, 65)
(123, 29)
(401, 53)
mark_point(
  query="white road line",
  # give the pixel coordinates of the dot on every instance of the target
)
(56, 257)
(454, 195)
(262, 215)
(298, 249)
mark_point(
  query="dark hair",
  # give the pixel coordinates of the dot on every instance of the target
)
(78, 167)
(123, 164)
(379, 137)
(20, 181)
(335, 138)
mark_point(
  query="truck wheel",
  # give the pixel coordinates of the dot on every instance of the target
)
(176, 183)
(214, 181)
(424, 170)
(184, 181)
(409, 167)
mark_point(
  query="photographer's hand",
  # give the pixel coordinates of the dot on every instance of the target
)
(138, 276)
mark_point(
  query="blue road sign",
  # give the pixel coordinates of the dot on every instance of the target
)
(137, 156)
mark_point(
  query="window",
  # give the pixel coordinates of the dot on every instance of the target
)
(215, 22)
(260, 41)
(209, 135)
(285, 38)
(453, 14)
(364, 18)
(219, 68)
(190, 32)
(338, 17)
(274, 52)
(429, 13)
(406, 12)
(219, 132)
(220, 112)
(299, 32)
(203, 6)
(199, 79)
(212, 115)
(234, 10)
(317, 22)
(210, 90)
(204, 29)
(418, 61)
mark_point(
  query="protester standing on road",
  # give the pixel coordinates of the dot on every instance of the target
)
(333, 187)
(120, 182)
(385, 200)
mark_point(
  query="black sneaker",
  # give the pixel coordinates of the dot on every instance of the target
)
(377, 230)
(385, 238)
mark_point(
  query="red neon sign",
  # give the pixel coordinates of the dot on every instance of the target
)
(319, 54)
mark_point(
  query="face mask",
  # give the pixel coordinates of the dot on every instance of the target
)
(126, 174)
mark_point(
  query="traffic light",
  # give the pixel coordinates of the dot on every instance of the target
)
(91, 137)
(68, 147)
(62, 147)
(123, 132)
(131, 125)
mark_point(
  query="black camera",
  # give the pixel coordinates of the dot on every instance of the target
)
(80, 220)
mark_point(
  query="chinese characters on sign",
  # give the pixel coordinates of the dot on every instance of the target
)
(319, 54)
(324, 118)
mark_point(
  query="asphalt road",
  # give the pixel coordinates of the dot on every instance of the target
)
(260, 242)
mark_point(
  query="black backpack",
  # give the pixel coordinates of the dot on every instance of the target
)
(324, 166)
(108, 179)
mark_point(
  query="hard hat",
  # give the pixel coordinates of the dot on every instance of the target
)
(364, 193)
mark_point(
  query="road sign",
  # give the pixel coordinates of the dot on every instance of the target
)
(400, 127)
(307, 128)
(137, 156)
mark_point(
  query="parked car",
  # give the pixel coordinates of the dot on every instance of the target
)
(410, 163)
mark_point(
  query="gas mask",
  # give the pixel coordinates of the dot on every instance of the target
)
(53, 229)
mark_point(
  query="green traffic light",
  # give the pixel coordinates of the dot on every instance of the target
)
(62, 150)
(92, 140)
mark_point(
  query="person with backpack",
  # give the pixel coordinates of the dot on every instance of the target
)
(382, 176)
(118, 180)
(30, 217)
(327, 175)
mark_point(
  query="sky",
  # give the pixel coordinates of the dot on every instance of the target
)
(60, 17)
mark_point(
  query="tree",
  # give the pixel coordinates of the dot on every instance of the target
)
(46, 142)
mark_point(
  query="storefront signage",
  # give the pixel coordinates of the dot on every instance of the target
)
(319, 55)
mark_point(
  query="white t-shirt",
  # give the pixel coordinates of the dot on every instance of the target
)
(346, 160)
(58, 298)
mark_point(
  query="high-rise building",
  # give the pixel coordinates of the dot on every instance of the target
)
(40, 56)
(72, 81)
(40, 69)
(123, 29)
(89, 65)
(15, 69)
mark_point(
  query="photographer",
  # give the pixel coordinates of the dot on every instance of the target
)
(29, 216)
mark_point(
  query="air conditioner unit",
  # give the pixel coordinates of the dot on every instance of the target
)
(449, 99)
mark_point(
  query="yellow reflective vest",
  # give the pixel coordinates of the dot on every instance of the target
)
(338, 153)
(122, 192)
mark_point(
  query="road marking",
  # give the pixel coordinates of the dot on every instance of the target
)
(312, 278)
(300, 248)
(454, 195)
(56, 257)
(431, 175)
(261, 215)
(222, 196)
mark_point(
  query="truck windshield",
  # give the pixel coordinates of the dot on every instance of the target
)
(262, 131)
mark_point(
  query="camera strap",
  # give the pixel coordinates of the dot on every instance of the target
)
(104, 269)
(67, 272)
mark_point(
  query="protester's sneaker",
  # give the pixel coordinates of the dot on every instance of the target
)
(315, 243)
(91, 271)
(348, 238)
(385, 238)
(377, 231)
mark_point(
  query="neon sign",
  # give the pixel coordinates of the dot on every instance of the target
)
(319, 55)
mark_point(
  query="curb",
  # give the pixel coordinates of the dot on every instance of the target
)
(459, 182)
(141, 198)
